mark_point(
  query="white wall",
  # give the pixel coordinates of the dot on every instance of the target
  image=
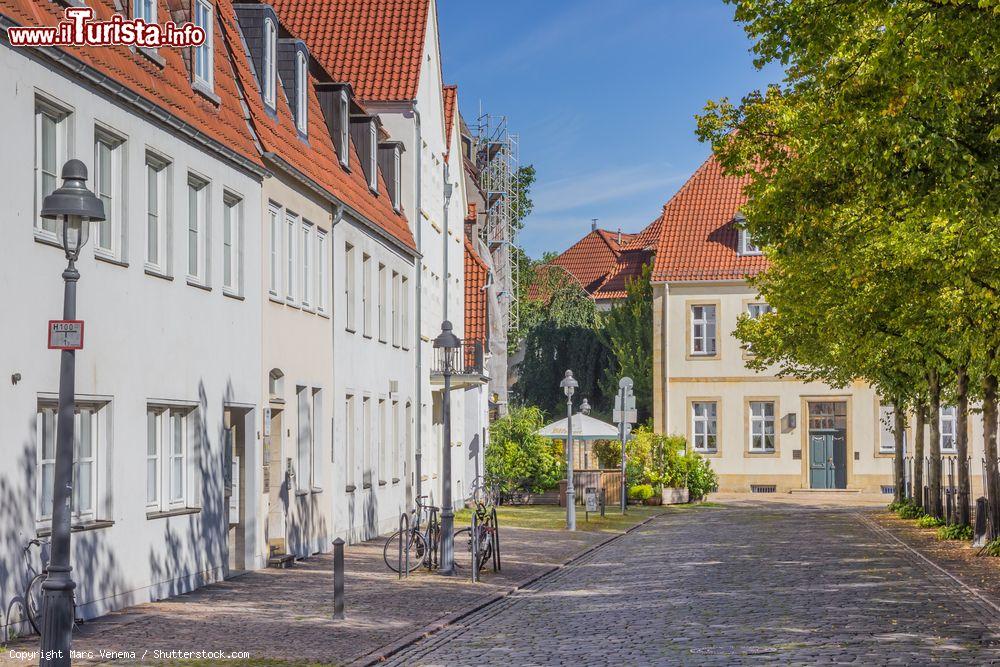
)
(147, 339)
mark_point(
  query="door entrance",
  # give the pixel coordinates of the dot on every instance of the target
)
(828, 445)
(273, 479)
(234, 467)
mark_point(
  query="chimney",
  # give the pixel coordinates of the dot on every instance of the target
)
(619, 235)
(593, 224)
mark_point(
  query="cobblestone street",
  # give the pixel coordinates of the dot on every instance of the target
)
(754, 583)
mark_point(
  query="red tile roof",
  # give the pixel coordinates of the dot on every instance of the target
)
(696, 238)
(375, 45)
(450, 94)
(316, 159)
(591, 259)
(476, 274)
(168, 87)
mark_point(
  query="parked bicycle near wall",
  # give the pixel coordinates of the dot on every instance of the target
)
(33, 592)
(420, 541)
(481, 541)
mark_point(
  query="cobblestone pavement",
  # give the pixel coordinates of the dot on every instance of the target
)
(748, 584)
(286, 615)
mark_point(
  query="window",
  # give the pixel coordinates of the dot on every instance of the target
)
(157, 224)
(350, 444)
(291, 224)
(761, 426)
(204, 60)
(269, 69)
(167, 456)
(109, 186)
(382, 305)
(405, 315)
(396, 179)
(88, 446)
(145, 10)
(322, 273)
(887, 422)
(232, 244)
(51, 141)
(301, 93)
(274, 232)
(366, 295)
(366, 435)
(948, 429)
(197, 229)
(372, 158)
(704, 426)
(395, 441)
(307, 258)
(383, 443)
(345, 124)
(703, 330)
(755, 310)
(747, 244)
(349, 286)
(395, 309)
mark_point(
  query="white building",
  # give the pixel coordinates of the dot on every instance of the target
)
(169, 377)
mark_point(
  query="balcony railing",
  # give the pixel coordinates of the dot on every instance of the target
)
(467, 359)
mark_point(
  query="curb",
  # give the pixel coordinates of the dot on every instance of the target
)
(386, 651)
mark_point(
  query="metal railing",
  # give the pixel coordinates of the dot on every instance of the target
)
(467, 359)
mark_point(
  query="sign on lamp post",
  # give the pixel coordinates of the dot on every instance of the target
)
(625, 414)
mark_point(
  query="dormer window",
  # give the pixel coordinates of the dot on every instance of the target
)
(301, 93)
(145, 10)
(204, 55)
(345, 128)
(396, 178)
(268, 82)
(373, 157)
(747, 244)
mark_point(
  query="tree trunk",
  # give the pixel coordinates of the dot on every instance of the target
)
(898, 435)
(962, 445)
(918, 454)
(934, 467)
(990, 451)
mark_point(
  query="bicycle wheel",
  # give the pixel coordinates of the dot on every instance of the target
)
(33, 602)
(463, 548)
(415, 546)
(485, 548)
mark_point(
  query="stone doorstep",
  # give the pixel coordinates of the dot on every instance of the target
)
(386, 651)
(822, 491)
(281, 561)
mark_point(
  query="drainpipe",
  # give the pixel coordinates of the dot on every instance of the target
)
(447, 202)
(418, 345)
(338, 215)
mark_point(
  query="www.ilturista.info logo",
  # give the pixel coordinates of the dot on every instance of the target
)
(79, 29)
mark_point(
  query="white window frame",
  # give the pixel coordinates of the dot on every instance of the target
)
(306, 259)
(887, 423)
(755, 309)
(145, 10)
(350, 440)
(383, 442)
(748, 247)
(705, 426)
(366, 295)
(301, 93)
(232, 244)
(322, 272)
(395, 308)
(373, 158)
(395, 441)
(949, 429)
(270, 68)
(704, 330)
(345, 133)
(762, 426)
(204, 55)
(275, 233)
(46, 425)
(200, 187)
(366, 441)
(60, 118)
(304, 445)
(171, 464)
(111, 192)
(290, 259)
(158, 172)
(383, 304)
(350, 288)
(397, 178)
(154, 458)
(405, 315)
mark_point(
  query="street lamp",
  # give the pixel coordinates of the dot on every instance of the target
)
(73, 207)
(448, 343)
(569, 385)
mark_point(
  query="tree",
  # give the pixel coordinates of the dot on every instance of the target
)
(520, 459)
(628, 335)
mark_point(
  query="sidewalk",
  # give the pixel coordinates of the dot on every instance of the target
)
(284, 616)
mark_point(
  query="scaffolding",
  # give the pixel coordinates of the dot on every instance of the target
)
(497, 163)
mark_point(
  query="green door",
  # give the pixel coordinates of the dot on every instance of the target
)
(822, 473)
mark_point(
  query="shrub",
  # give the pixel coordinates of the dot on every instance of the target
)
(701, 479)
(909, 511)
(992, 548)
(640, 492)
(928, 521)
(955, 532)
(518, 458)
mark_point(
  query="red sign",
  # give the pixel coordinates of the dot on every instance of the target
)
(65, 334)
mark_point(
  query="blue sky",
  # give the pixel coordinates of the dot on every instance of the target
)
(603, 94)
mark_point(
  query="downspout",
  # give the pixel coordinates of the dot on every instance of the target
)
(447, 201)
(418, 345)
(338, 215)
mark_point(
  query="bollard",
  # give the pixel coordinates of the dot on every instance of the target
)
(404, 534)
(338, 579)
(980, 534)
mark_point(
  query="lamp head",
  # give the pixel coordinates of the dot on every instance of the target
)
(446, 339)
(569, 384)
(73, 207)
(585, 407)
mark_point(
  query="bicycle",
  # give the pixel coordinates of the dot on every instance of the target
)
(487, 537)
(33, 592)
(421, 545)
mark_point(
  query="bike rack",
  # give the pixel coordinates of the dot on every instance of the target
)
(404, 519)
(475, 547)
(496, 542)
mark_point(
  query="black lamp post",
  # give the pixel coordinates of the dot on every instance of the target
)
(73, 207)
(569, 385)
(448, 343)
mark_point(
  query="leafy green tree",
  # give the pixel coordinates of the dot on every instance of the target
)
(628, 334)
(518, 458)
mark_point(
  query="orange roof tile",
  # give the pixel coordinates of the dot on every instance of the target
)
(476, 274)
(317, 158)
(592, 258)
(450, 94)
(168, 87)
(696, 236)
(375, 45)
